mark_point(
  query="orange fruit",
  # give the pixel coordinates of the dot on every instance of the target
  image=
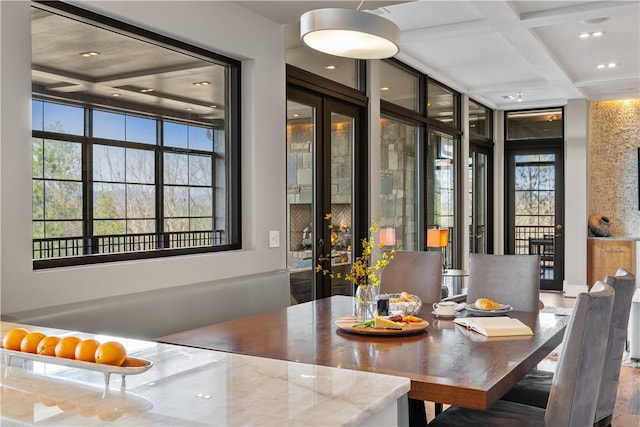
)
(47, 346)
(86, 350)
(29, 343)
(111, 353)
(66, 347)
(13, 338)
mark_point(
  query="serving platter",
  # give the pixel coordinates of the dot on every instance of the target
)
(501, 311)
(346, 324)
(131, 365)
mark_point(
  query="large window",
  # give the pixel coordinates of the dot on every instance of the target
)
(135, 149)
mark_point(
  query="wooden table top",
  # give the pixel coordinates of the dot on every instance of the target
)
(446, 363)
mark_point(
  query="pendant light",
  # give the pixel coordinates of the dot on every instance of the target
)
(349, 33)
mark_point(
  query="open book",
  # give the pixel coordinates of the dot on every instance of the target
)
(500, 326)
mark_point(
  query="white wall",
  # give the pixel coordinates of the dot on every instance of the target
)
(218, 26)
(576, 202)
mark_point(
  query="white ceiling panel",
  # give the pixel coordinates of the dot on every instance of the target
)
(494, 48)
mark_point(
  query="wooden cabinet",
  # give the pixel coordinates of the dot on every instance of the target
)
(605, 256)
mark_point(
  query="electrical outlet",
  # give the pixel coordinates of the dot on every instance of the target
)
(274, 239)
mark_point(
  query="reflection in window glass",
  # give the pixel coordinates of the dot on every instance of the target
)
(399, 180)
(398, 85)
(200, 138)
(479, 119)
(535, 124)
(136, 154)
(341, 70)
(441, 189)
(442, 104)
(63, 119)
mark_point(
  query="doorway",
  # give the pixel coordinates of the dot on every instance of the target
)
(535, 206)
(480, 176)
(325, 171)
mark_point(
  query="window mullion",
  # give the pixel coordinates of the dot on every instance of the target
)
(90, 245)
(159, 155)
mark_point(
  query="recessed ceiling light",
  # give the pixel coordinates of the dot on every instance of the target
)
(508, 97)
(146, 90)
(296, 115)
(202, 83)
(519, 96)
(189, 109)
(595, 20)
(384, 88)
(214, 106)
(601, 66)
(592, 34)
(115, 94)
(612, 65)
(89, 54)
(330, 67)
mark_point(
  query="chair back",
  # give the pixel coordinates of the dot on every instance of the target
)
(624, 284)
(573, 398)
(417, 272)
(507, 279)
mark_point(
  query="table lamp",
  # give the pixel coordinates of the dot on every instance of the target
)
(439, 238)
(388, 236)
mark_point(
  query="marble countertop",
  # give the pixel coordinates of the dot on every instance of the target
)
(188, 386)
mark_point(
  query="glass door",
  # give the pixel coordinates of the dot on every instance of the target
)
(535, 183)
(479, 173)
(321, 161)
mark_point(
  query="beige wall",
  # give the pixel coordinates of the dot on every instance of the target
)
(613, 153)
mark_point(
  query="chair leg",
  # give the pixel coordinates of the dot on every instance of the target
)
(417, 413)
(437, 408)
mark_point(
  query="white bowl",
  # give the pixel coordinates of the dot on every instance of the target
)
(406, 306)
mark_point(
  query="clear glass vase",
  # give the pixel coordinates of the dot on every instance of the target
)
(365, 303)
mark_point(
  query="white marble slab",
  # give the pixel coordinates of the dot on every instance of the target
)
(187, 386)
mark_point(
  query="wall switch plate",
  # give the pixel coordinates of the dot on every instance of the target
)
(274, 239)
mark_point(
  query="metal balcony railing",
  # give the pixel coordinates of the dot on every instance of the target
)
(121, 243)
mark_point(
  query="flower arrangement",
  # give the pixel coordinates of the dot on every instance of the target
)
(362, 273)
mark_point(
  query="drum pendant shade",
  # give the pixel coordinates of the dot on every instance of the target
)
(349, 33)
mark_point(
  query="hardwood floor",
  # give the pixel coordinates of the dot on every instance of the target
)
(627, 410)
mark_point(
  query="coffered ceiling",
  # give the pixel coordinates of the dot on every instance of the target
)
(496, 50)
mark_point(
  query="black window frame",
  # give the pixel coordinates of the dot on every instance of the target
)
(232, 152)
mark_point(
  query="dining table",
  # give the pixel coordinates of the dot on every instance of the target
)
(445, 362)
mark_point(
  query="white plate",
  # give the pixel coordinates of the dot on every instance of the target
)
(444, 316)
(504, 309)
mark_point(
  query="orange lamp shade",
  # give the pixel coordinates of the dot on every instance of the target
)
(388, 236)
(437, 238)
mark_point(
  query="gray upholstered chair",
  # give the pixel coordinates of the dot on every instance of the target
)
(419, 273)
(534, 388)
(507, 279)
(573, 398)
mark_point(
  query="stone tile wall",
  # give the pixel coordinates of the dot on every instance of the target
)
(615, 138)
